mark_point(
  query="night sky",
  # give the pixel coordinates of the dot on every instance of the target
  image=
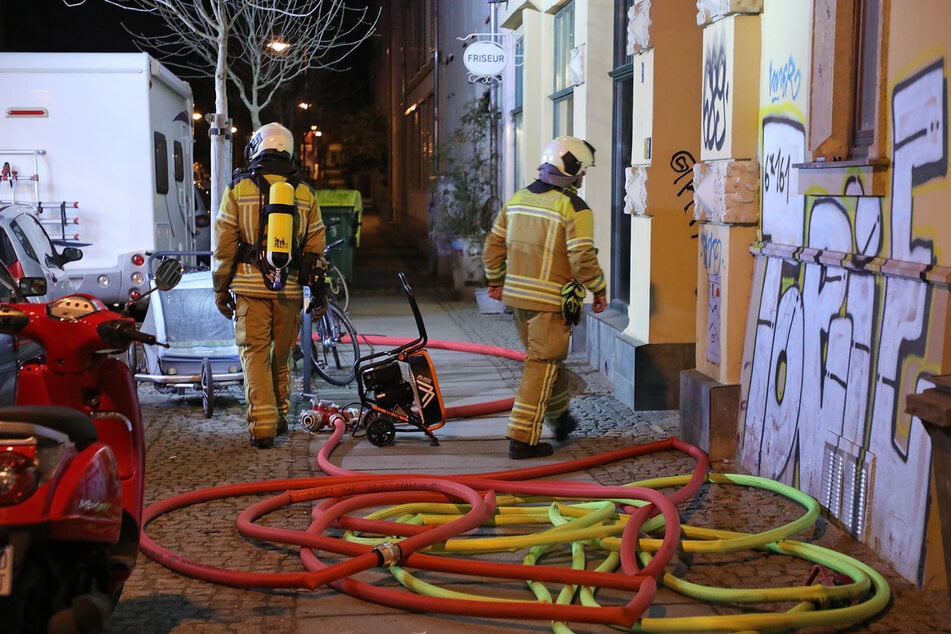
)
(94, 26)
(49, 25)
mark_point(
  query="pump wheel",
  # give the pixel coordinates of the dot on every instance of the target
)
(207, 388)
(381, 430)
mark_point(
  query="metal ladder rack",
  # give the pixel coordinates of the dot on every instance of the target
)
(58, 217)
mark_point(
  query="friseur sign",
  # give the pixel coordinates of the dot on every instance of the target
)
(484, 58)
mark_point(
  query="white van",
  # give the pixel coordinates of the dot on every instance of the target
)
(100, 144)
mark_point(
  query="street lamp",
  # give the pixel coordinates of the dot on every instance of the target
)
(278, 46)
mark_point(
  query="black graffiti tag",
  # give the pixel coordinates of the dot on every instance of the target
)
(776, 173)
(682, 163)
(716, 94)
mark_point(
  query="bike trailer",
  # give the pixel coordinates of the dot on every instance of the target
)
(201, 349)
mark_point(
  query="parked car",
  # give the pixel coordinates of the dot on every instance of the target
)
(26, 250)
(13, 352)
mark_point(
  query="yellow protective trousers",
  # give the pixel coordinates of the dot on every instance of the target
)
(265, 331)
(542, 391)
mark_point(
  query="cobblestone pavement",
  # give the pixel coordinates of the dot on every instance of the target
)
(187, 451)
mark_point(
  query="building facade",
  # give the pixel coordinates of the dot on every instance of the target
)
(424, 87)
(770, 193)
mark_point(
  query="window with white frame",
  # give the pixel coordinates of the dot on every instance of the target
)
(517, 117)
(562, 89)
(620, 153)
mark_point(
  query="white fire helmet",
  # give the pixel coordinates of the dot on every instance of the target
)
(570, 155)
(271, 136)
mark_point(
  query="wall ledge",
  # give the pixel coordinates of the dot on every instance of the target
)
(826, 177)
(938, 275)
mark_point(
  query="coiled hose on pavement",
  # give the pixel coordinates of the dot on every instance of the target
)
(629, 534)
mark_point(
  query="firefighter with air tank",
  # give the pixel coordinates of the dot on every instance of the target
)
(269, 240)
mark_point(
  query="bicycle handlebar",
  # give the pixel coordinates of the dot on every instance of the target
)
(333, 245)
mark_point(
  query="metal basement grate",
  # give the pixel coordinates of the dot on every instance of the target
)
(845, 487)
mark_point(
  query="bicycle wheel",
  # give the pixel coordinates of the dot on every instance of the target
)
(337, 285)
(334, 346)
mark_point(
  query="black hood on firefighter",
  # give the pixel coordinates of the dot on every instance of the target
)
(272, 162)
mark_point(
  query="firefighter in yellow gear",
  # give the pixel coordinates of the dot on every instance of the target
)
(542, 239)
(259, 277)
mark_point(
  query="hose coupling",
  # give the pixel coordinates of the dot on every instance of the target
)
(389, 553)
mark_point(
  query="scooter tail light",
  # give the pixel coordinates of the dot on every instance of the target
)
(18, 477)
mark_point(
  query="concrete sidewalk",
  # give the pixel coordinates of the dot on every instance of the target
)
(187, 451)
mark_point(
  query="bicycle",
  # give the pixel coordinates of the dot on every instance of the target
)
(334, 346)
(339, 292)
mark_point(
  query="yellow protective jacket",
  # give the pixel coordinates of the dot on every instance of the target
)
(238, 220)
(540, 239)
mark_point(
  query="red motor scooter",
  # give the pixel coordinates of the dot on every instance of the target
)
(72, 459)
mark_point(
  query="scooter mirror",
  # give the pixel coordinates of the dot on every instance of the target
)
(32, 286)
(168, 274)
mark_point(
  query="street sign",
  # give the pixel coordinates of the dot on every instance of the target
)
(484, 58)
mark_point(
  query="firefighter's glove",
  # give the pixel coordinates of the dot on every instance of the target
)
(600, 303)
(224, 300)
(572, 302)
(318, 298)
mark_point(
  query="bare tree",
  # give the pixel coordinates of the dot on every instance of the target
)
(256, 45)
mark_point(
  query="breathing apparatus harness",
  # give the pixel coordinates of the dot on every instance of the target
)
(274, 253)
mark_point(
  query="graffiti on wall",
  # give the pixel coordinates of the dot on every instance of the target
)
(784, 138)
(785, 80)
(711, 254)
(716, 95)
(682, 163)
(836, 348)
(920, 154)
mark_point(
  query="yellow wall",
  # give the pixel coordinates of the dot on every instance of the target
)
(667, 82)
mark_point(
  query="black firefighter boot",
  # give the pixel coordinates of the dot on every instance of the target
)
(563, 426)
(521, 450)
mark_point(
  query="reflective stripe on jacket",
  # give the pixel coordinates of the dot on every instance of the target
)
(540, 239)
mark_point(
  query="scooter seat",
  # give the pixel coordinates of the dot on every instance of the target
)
(79, 427)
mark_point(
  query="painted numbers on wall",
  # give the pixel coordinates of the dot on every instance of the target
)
(784, 140)
(776, 173)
